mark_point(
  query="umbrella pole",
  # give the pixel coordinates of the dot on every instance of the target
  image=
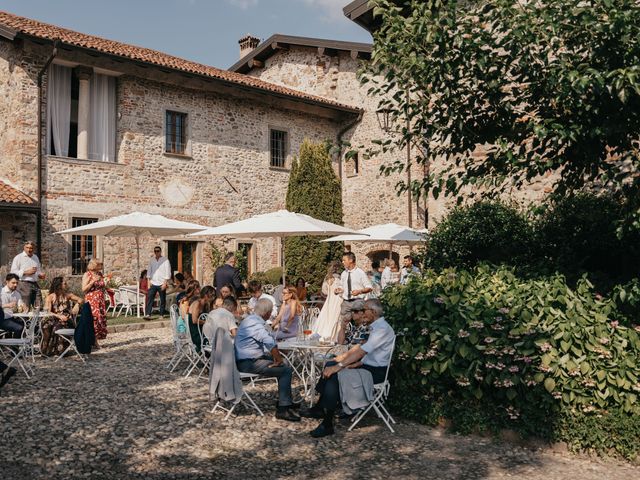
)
(390, 250)
(137, 273)
(284, 268)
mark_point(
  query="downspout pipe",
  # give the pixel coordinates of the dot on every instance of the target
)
(41, 73)
(341, 133)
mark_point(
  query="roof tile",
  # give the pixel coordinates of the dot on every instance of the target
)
(27, 26)
(8, 194)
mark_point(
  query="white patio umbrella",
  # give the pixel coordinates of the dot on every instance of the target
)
(135, 225)
(390, 233)
(281, 223)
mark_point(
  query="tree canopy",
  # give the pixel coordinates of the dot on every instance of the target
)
(537, 87)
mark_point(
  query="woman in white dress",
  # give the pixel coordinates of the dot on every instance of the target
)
(327, 324)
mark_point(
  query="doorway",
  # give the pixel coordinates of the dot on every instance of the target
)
(247, 261)
(182, 256)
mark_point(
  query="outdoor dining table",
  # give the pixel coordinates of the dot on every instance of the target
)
(301, 355)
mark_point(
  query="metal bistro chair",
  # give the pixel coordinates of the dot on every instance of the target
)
(243, 376)
(68, 335)
(380, 394)
(21, 348)
(179, 341)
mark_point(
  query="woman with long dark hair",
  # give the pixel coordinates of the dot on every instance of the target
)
(62, 306)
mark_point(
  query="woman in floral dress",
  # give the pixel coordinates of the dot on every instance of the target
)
(93, 287)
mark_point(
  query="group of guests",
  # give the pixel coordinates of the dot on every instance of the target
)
(386, 273)
(21, 293)
(361, 328)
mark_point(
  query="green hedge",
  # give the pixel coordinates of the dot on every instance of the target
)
(491, 350)
(573, 236)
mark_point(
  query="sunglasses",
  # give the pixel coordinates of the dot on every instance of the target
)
(157, 251)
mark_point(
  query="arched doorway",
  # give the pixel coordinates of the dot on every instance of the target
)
(380, 255)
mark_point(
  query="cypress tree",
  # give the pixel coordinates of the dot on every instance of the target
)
(314, 189)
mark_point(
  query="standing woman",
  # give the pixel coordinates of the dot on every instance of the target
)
(327, 324)
(93, 287)
(289, 316)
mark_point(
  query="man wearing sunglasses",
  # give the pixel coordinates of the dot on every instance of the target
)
(159, 274)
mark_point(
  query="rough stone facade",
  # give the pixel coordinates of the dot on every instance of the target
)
(368, 197)
(226, 175)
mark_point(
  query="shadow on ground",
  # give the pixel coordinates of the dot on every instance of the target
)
(123, 415)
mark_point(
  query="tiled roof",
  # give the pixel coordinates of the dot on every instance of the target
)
(8, 194)
(27, 26)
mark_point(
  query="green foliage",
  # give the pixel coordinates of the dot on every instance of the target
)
(484, 231)
(573, 236)
(579, 235)
(314, 190)
(546, 86)
(521, 354)
(273, 276)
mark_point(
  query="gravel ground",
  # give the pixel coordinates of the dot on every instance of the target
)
(123, 415)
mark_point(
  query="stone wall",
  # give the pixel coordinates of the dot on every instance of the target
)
(225, 177)
(18, 116)
(368, 197)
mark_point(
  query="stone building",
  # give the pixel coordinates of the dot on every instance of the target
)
(91, 128)
(328, 68)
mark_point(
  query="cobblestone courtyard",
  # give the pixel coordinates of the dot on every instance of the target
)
(123, 415)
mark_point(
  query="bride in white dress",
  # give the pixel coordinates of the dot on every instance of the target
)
(327, 324)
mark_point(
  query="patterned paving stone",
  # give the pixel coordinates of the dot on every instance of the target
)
(124, 416)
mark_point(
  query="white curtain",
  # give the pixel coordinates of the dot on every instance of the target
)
(102, 118)
(59, 109)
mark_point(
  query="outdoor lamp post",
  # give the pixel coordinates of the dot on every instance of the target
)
(384, 120)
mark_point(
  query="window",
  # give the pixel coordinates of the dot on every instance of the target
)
(352, 165)
(278, 147)
(62, 114)
(176, 133)
(83, 247)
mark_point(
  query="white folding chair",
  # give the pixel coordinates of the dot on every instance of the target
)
(243, 376)
(21, 348)
(67, 335)
(179, 340)
(380, 394)
(200, 359)
(117, 302)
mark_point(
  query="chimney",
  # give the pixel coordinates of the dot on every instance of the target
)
(247, 44)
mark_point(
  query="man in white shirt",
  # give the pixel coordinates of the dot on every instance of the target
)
(27, 267)
(222, 317)
(355, 284)
(159, 274)
(11, 301)
(255, 290)
(374, 356)
(408, 270)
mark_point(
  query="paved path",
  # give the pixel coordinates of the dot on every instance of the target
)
(123, 416)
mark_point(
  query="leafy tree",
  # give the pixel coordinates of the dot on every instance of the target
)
(502, 92)
(314, 190)
(485, 231)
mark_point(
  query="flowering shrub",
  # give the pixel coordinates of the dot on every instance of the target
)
(522, 351)
(112, 281)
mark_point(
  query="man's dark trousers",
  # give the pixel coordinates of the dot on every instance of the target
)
(151, 295)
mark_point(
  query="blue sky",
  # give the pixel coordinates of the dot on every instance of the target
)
(205, 31)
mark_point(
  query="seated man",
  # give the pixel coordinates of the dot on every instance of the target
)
(355, 333)
(374, 355)
(255, 290)
(11, 301)
(222, 317)
(6, 372)
(252, 340)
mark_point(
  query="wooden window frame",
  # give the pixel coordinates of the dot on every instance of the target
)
(281, 165)
(171, 143)
(83, 244)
